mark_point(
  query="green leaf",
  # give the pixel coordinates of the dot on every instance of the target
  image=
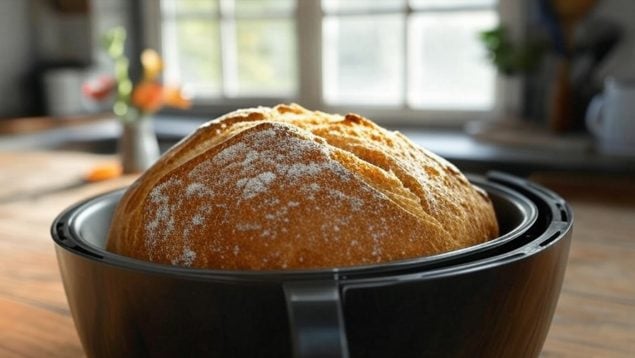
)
(114, 41)
(508, 57)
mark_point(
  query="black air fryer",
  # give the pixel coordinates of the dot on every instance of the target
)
(495, 299)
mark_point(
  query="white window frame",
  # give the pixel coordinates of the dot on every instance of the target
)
(309, 15)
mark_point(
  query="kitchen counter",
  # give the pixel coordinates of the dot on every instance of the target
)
(595, 315)
(528, 152)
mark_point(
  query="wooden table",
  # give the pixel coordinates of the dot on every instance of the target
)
(595, 315)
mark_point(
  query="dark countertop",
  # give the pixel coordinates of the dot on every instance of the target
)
(479, 156)
(463, 150)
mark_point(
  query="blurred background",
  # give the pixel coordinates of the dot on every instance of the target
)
(489, 84)
(91, 90)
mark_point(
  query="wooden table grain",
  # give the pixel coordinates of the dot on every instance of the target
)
(595, 316)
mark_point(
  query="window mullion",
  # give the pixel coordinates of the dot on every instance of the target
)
(170, 24)
(406, 56)
(229, 66)
(309, 53)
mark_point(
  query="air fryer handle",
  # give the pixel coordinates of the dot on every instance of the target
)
(316, 320)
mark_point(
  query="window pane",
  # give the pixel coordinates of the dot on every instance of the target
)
(417, 4)
(189, 6)
(331, 6)
(191, 52)
(256, 7)
(448, 65)
(266, 58)
(363, 59)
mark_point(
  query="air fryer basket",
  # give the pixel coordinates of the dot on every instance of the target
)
(495, 299)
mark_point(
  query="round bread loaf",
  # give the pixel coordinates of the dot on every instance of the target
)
(288, 188)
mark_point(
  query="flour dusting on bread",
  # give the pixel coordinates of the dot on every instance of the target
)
(284, 187)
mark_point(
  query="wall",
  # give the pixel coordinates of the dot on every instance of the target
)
(60, 36)
(621, 63)
(16, 56)
(107, 14)
(34, 35)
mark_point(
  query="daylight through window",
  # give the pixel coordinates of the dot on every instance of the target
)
(410, 55)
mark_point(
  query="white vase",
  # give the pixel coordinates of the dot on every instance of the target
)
(138, 145)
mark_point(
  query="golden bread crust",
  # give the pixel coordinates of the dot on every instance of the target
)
(288, 188)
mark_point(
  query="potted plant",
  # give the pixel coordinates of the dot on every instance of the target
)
(512, 60)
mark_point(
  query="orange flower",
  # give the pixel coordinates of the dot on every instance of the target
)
(152, 64)
(173, 97)
(148, 96)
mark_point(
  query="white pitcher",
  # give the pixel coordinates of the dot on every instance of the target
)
(611, 118)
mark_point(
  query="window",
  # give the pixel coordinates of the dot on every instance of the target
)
(230, 49)
(384, 58)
